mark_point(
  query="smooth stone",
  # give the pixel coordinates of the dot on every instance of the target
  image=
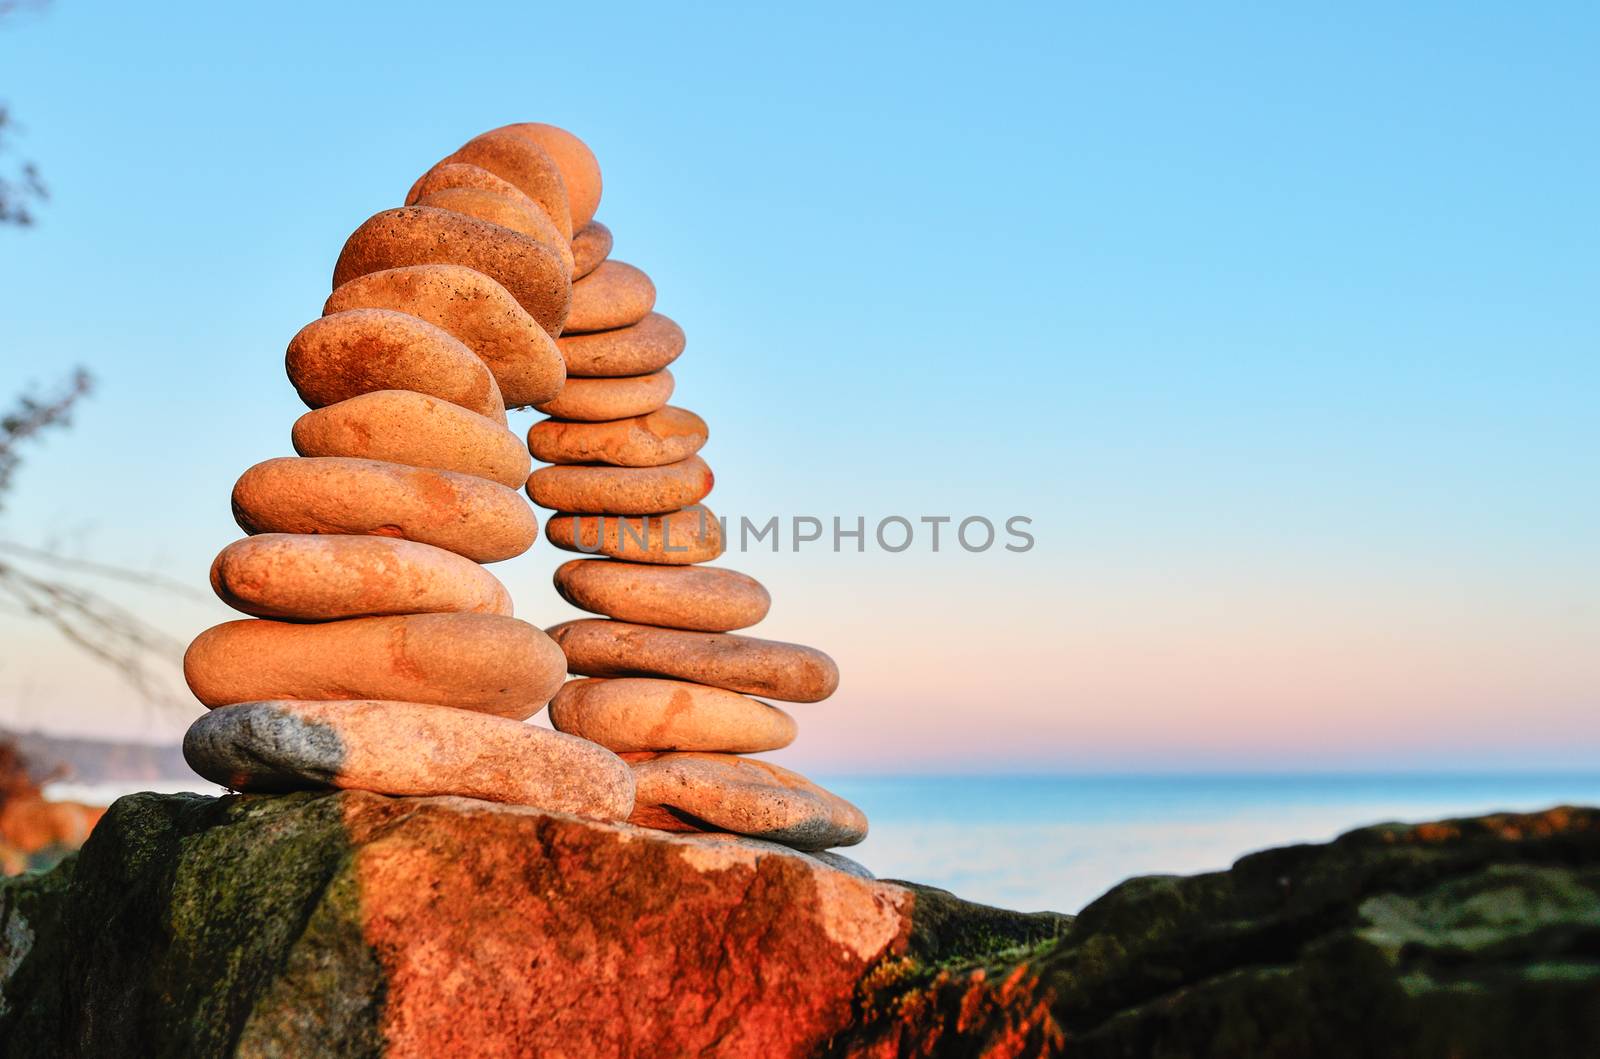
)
(794, 673)
(693, 535)
(645, 347)
(597, 400)
(632, 714)
(622, 490)
(323, 577)
(524, 359)
(615, 294)
(447, 175)
(580, 169)
(519, 213)
(484, 662)
(664, 436)
(591, 245)
(406, 748)
(470, 516)
(704, 598)
(534, 273)
(523, 162)
(399, 426)
(350, 353)
(720, 792)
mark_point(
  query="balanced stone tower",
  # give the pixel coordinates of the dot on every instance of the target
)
(667, 684)
(380, 654)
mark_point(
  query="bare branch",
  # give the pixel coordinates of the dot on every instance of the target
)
(32, 416)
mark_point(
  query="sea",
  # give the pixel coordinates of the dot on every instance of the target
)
(1058, 842)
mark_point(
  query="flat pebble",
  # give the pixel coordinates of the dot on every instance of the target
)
(615, 294)
(407, 749)
(704, 598)
(321, 577)
(350, 353)
(482, 662)
(771, 668)
(661, 437)
(399, 426)
(470, 516)
(705, 792)
(632, 714)
(597, 400)
(645, 347)
(622, 490)
(693, 535)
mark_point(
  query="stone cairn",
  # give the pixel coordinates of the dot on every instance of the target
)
(380, 654)
(665, 683)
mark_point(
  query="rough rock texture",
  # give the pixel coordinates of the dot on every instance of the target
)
(356, 925)
(1462, 939)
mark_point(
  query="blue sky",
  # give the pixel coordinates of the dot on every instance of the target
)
(1280, 325)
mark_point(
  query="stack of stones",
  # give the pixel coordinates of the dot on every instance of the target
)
(669, 686)
(380, 654)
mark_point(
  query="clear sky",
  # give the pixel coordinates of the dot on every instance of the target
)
(1280, 325)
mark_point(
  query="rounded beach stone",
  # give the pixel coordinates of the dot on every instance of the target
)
(350, 353)
(704, 598)
(470, 516)
(647, 346)
(720, 792)
(406, 748)
(580, 170)
(692, 535)
(622, 490)
(632, 714)
(327, 576)
(425, 235)
(787, 671)
(591, 245)
(523, 162)
(614, 295)
(524, 359)
(519, 213)
(399, 426)
(447, 175)
(664, 436)
(484, 662)
(596, 400)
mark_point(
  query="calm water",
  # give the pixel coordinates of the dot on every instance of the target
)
(1058, 842)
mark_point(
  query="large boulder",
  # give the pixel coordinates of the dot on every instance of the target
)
(351, 924)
